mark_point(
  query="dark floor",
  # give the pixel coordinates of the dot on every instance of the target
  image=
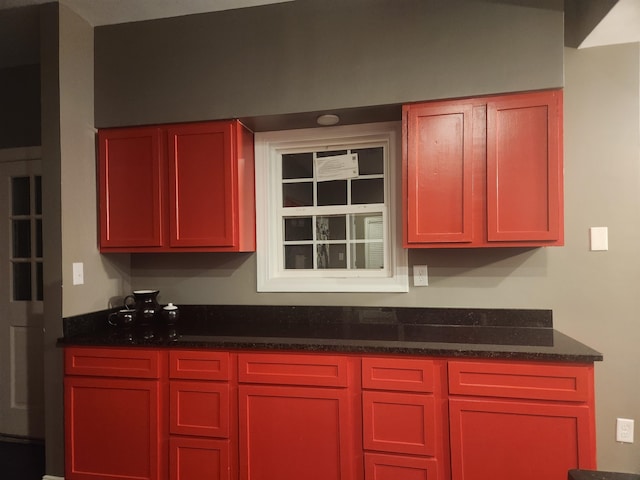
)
(21, 460)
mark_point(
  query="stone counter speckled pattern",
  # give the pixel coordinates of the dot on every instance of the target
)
(451, 332)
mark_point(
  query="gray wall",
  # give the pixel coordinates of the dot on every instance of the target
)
(20, 106)
(311, 55)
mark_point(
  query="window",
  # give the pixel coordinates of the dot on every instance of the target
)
(327, 216)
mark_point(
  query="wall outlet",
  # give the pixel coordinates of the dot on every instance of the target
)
(624, 430)
(420, 276)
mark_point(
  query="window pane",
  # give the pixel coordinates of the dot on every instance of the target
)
(38, 194)
(331, 228)
(21, 238)
(39, 281)
(39, 238)
(332, 256)
(298, 228)
(297, 165)
(370, 160)
(367, 255)
(332, 193)
(367, 191)
(20, 196)
(298, 257)
(22, 281)
(297, 194)
(367, 226)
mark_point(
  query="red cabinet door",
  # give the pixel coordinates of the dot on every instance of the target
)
(439, 172)
(524, 167)
(289, 433)
(396, 467)
(131, 181)
(506, 440)
(202, 185)
(199, 459)
(112, 429)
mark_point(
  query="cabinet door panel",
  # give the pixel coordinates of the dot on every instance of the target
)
(400, 374)
(112, 429)
(524, 167)
(112, 362)
(292, 369)
(395, 467)
(289, 433)
(519, 440)
(131, 182)
(202, 185)
(439, 173)
(199, 365)
(199, 459)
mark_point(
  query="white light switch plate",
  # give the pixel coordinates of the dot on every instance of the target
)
(420, 276)
(599, 238)
(78, 273)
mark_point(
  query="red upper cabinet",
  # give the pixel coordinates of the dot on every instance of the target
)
(484, 172)
(186, 187)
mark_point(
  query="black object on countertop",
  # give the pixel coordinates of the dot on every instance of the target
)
(459, 332)
(597, 475)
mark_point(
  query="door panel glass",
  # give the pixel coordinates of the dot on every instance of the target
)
(22, 281)
(20, 196)
(21, 238)
(38, 194)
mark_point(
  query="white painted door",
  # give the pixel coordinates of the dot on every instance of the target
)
(21, 306)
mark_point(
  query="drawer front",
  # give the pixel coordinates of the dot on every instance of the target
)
(525, 380)
(199, 458)
(398, 374)
(199, 365)
(112, 362)
(286, 369)
(199, 408)
(395, 467)
(399, 422)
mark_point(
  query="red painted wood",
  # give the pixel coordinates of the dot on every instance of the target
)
(112, 429)
(293, 369)
(401, 374)
(289, 433)
(191, 188)
(199, 408)
(113, 362)
(199, 365)
(395, 467)
(524, 167)
(537, 381)
(202, 185)
(439, 172)
(399, 422)
(505, 440)
(199, 459)
(484, 172)
(131, 181)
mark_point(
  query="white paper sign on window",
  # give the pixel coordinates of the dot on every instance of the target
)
(338, 167)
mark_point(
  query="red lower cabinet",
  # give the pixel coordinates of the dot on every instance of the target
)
(404, 419)
(518, 420)
(113, 424)
(290, 432)
(202, 413)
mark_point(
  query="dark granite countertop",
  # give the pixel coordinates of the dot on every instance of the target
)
(452, 332)
(596, 475)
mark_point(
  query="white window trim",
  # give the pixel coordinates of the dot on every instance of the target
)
(271, 276)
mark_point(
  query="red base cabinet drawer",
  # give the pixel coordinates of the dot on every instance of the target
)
(399, 422)
(394, 467)
(199, 459)
(199, 408)
(503, 440)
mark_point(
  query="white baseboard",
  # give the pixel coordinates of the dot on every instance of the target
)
(51, 477)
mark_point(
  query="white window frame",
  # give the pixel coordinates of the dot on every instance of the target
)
(271, 275)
